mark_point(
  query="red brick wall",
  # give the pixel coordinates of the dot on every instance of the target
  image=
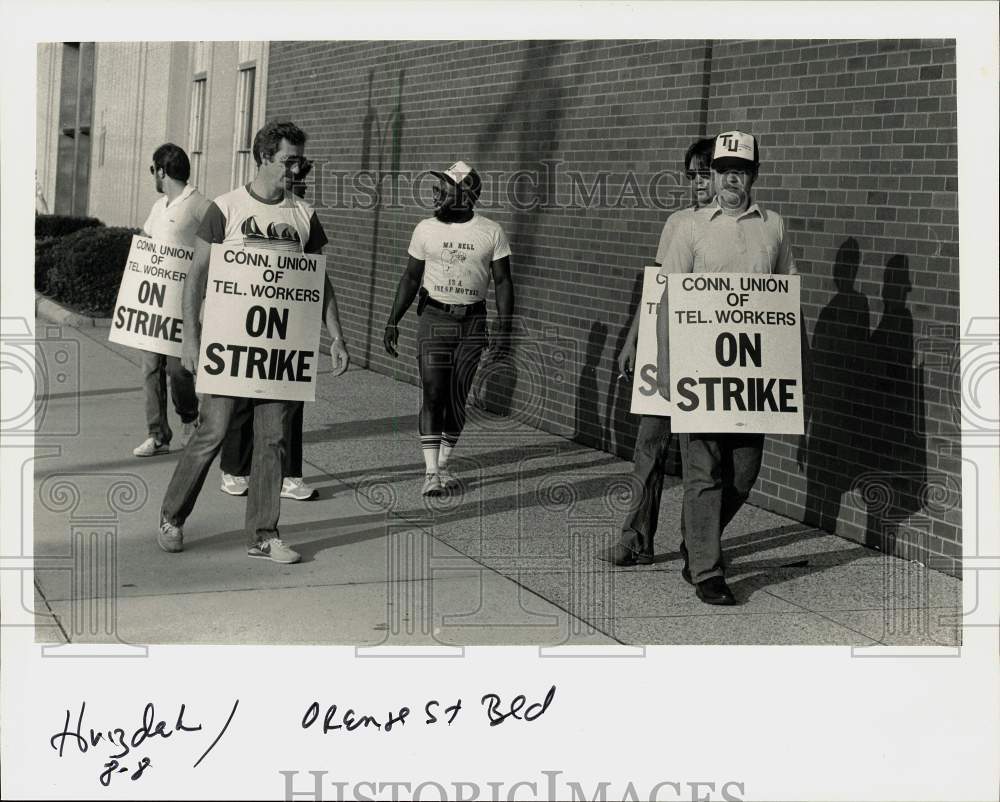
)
(858, 145)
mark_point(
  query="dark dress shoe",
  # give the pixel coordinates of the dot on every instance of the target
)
(714, 590)
(623, 556)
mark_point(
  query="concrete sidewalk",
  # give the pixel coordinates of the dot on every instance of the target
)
(508, 560)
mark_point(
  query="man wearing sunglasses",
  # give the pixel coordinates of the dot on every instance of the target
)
(174, 218)
(237, 450)
(732, 235)
(263, 214)
(652, 441)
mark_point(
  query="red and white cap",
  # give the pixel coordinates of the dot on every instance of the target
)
(735, 149)
(460, 174)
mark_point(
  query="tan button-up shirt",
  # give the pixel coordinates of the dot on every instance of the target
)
(710, 241)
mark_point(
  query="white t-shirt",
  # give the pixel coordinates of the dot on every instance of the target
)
(178, 221)
(457, 257)
(244, 219)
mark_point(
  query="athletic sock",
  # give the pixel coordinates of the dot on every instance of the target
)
(431, 444)
(448, 443)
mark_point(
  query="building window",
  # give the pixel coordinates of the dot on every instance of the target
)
(197, 135)
(243, 162)
(76, 94)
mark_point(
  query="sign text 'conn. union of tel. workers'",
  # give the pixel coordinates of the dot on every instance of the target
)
(735, 353)
(148, 312)
(260, 335)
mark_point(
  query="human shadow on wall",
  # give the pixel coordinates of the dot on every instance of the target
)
(376, 139)
(531, 114)
(589, 426)
(836, 439)
(894, 487)
(864, 427)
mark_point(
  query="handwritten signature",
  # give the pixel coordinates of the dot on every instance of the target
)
(123, 741)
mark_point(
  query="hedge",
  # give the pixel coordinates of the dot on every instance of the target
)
(83, 270)
(59, 225)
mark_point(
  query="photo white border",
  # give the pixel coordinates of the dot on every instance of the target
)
(787, 722)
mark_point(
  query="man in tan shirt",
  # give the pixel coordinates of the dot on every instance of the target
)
(732, 235)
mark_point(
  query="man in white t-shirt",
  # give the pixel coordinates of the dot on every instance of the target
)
(263, 214)
(452, 258)
(174, 218)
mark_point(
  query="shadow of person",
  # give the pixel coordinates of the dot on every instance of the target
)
(589, 427)
(838, 431)
(893, 488)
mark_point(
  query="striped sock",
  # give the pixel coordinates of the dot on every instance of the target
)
(448, 443)
(431, 444)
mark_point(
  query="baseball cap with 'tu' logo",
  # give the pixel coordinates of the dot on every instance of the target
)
(735, 149)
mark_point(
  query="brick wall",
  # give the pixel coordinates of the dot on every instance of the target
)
(858, 143)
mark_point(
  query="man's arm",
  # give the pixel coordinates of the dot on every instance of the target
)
(626, 359)
(785, 262)
(503, 290)
(194, 296)
(331, 317)
(406, 291)
(678, 259)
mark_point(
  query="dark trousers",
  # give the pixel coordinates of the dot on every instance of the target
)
(652, 445)
(237, 448)
(448, 350)
(159, 370)
(719, 473)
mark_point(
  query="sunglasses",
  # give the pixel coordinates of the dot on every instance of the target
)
(693, 174)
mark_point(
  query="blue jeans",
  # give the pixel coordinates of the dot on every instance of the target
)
(270, 419)
(157, 369)
(719, 473)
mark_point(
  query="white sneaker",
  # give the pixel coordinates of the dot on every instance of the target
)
(432, 485)
(275, 550)
(294, 487)
(448, 480)
(170, 538)
(234, 485)
(150, 447)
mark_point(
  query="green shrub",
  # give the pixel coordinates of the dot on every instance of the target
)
(59, 225)
(86, 268)
(45, 256)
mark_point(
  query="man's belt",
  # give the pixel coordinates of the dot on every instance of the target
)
(457, 310)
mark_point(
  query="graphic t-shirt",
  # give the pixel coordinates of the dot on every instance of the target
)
(457, 257)
(243, 219)
(177, 221)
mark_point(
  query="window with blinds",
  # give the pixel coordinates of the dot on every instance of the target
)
(243, 162)
(196, 149)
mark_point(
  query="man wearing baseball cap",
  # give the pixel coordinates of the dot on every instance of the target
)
(732, 235)
(452, 257)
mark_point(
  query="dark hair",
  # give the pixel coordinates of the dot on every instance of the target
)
(173, 161)
(700, 153)
(267, 142)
